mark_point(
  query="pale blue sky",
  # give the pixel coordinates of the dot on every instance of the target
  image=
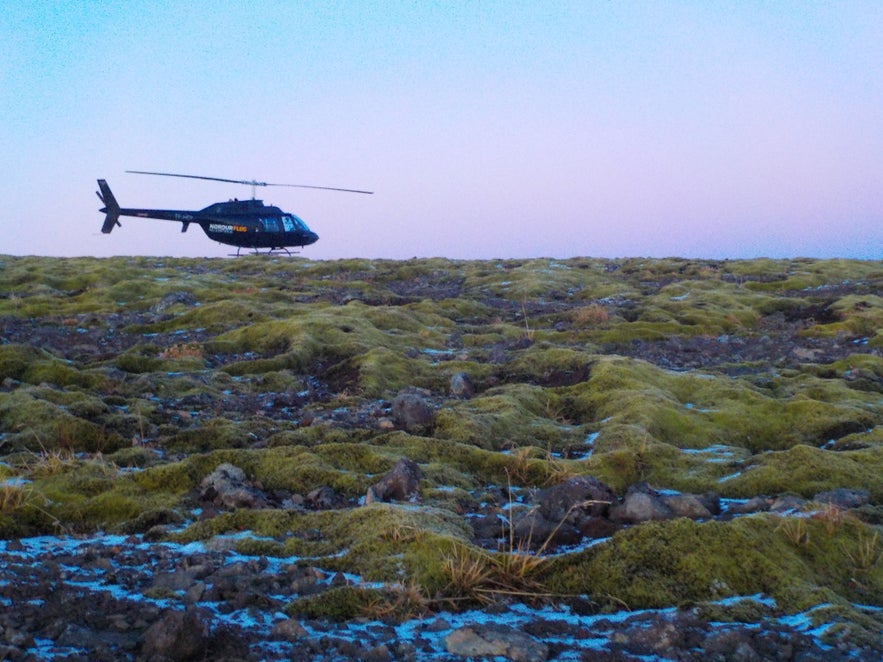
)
(487, 129)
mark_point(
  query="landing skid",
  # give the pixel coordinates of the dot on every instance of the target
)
(271, 251)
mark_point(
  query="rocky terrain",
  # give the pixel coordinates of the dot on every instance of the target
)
(267, 458)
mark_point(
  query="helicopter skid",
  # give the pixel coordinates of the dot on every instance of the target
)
(270, 251)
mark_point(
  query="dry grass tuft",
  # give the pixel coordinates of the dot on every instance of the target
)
(795, 530)
(182, 351)
(590, 315)
(398, 603)
(12, 498)
(866, 555)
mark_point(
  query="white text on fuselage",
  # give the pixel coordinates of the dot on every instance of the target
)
(226, 229)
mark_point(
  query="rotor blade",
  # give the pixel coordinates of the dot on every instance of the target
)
(214, 179)
(323, 188)
(249, 182)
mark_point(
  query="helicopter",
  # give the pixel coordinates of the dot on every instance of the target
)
(242, 223)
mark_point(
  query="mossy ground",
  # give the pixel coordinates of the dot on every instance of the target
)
(126, 381)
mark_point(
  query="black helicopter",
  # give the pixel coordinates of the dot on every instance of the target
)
(241, 223)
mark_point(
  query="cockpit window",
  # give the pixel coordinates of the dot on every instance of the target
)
(293, 224)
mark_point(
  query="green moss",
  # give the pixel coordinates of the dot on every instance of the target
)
(680, 562)
(517, 414)
(542, 364)
(381, 372)
(174, 478)
(694, 411)
(139, 360)
(529, 333)
(83, 495)
(337, 604)
(15, 360)
(35, 424)
(807, 471)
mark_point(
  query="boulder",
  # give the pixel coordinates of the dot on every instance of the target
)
(462, 386)
(564, 511)
(575, 499)
(290, 630)
(535, 531)
(228, 487)
(491, 640)
(641, 503)
(844, 498)
(401, 483)
(178, 635)
(787, 503)
(172, 299)
(323, 498)
(754, 505)
(412, 411)
(687, 505)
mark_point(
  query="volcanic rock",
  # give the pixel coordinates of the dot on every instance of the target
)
(399, 484)
(495, 641)
(641, 503)
(178, 635)
(412, 411)
(844, 498)
(228, 487)
(462, 386)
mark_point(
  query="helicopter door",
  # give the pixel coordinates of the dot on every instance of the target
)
(288, 223)
(270, 224)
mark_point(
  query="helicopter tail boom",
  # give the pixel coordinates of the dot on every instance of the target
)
(111, 207)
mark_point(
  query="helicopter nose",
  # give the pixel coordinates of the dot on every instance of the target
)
(312, 238)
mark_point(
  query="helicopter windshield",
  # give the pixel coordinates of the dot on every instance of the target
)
(292, 224)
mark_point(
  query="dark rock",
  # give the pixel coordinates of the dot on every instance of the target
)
(323, 498)
(401, 483)
(438, 625)
(491, 640)
(412, 411)
(490, 527)
(597, 527)
(172, 299)
(651, 636)
(178, 635)
(535, 531)
(844, 498)
(179, 580)
(227, 486)
(565, 511)
(686, 505)
(462, 386)
(641, 503)
(575, 499)
(290, 630)
(755, 505)
(731, 644)
(711, 501)
(786, 504)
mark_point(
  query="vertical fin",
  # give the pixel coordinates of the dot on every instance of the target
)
(111, 207)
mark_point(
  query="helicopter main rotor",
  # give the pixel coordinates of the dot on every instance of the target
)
(249, 182)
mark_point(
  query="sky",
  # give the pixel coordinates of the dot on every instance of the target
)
(513, 129)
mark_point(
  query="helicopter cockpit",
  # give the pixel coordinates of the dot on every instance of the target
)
(292, 223)
(289, 223)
